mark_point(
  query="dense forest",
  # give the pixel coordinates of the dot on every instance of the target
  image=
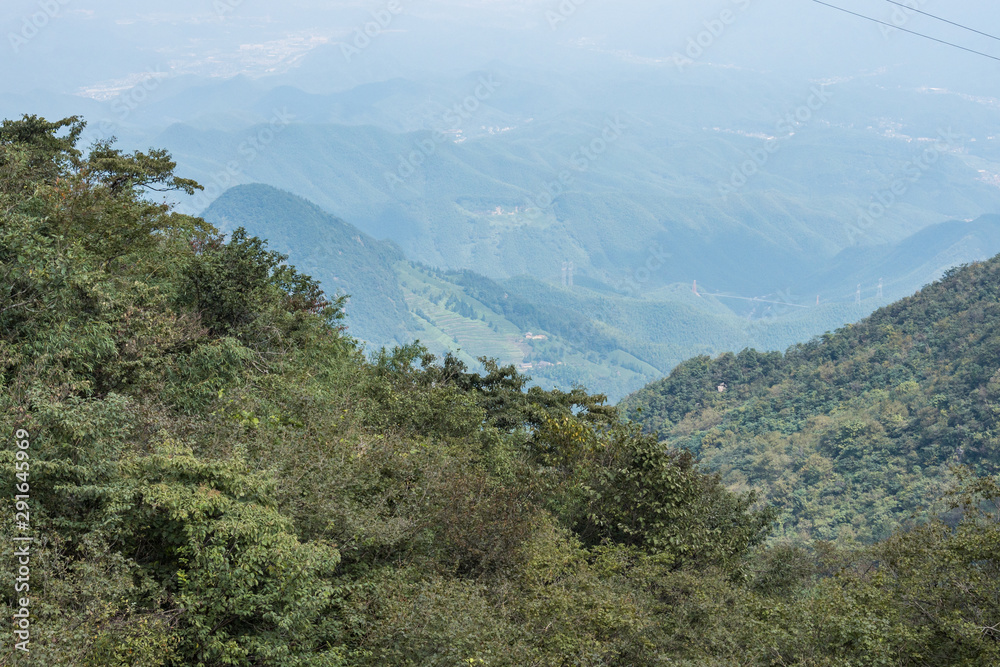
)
(852, 433)
(220, 476)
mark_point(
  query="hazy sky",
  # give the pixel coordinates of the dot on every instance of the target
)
(81, 46)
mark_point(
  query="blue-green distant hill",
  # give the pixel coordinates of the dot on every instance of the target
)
(343, 258)
(608, 339)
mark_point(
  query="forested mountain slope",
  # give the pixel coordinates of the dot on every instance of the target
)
(341, 257)
(854, 431)
(213, 474)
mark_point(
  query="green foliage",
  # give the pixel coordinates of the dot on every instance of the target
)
(220, 476)
(121, 173)
(648, 496)
(209, 532)
(853, 432)
(413, 619)
(944, 580)
(240, 285)
(32, 143)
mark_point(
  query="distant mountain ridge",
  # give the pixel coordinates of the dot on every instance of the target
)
(593, 334)
(917, 260)
(657, 185)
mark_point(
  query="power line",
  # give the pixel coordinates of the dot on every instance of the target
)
(754, 299)
(938, 18)
(912, 32)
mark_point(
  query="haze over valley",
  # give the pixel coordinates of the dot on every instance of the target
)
(500, 333)
(645, 145)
